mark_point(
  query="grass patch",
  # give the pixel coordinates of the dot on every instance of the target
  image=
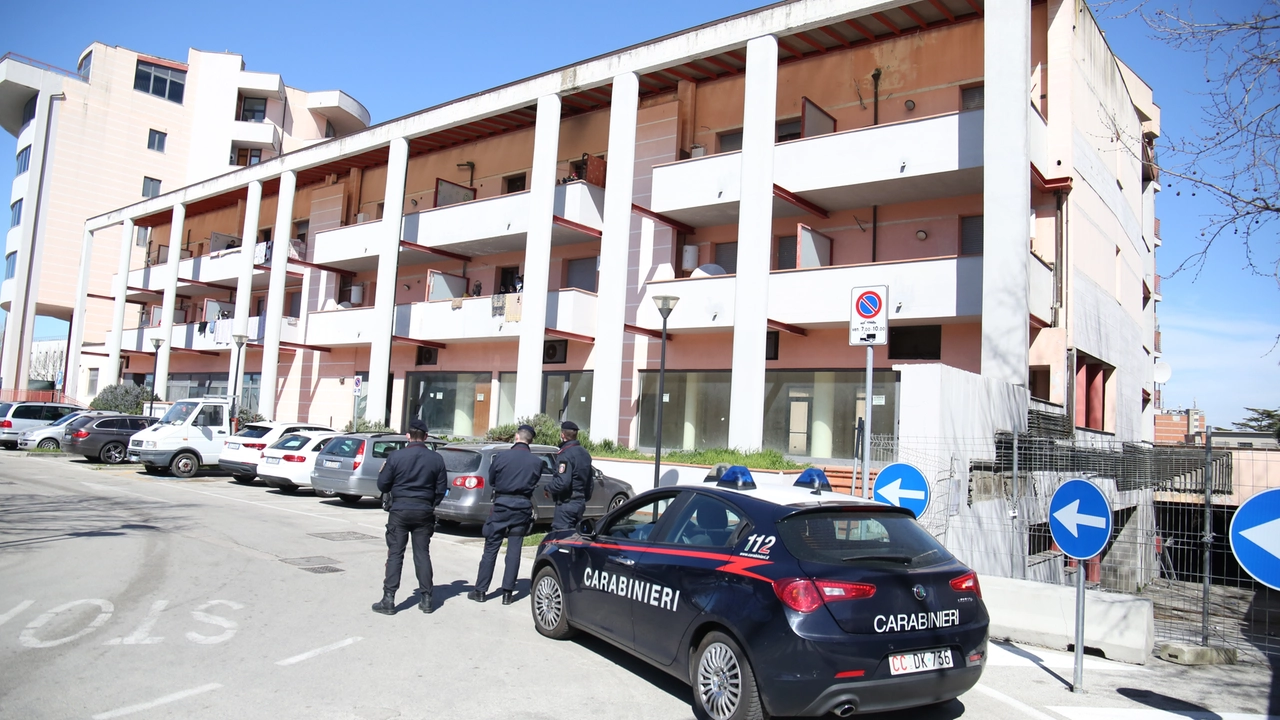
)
(609, 449)
(46, 451)
(534, 539)
(760, 459)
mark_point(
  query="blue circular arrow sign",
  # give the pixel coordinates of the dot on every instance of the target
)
(1255, 537)
(1080, 519)
(904, 486)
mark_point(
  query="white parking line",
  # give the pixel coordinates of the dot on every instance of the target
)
(1013, 703)
(1096, 713)
(259, 504)
(126, 492)
(10, 615)
(319, 651)
(130, 709)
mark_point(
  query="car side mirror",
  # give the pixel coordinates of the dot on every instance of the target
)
(587, 528)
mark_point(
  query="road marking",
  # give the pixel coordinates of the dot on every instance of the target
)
(1011, 702)
(130, 709)
(319, 651)
(142, 636)
(28, 636)
(126, 492)
(1096, 713)
(12, 613)
(230, 625)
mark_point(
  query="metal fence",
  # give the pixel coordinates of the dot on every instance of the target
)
(991, 507)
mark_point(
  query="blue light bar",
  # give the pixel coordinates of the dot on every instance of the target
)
(813, 479)
(737, 477)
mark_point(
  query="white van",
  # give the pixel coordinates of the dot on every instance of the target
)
(191, 434)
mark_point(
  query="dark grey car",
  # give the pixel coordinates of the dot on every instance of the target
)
(104, 439)
(471, 494)
(349, 465)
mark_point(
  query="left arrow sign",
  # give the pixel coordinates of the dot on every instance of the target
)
(1072, 519)
(1265, 536)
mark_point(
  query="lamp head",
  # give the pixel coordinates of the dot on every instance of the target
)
(665, 303)
(157, 342)
(240, 340)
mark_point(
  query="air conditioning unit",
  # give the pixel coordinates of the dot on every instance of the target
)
(362, 217)
(555, 352)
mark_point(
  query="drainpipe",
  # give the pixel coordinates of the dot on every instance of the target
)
(875, 98)
(875, 214)
(1057, 256)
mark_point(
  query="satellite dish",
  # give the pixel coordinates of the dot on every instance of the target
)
(1163, 372)
(708, 270)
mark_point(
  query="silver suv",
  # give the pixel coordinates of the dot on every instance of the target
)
(19, 417)
(349, 465)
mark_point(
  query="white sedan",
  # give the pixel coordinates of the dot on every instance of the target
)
(287, 464)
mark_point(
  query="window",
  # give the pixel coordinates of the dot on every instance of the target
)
(639, 523)
(695, 413)
(789, 130)
(514, 184)
(56, 412)
(245, 157)
(972, 98)
(29, 111)
(971, 235)
(727, 257)
(86, 64)
(155, 140)
(815, 413)
(705, 522)
(150, 187)
(449, 403)
(28, 412)
(383, 448)
(295, 304)
(210, 416)
(568, 396)
(839, 538)
(582, 274)
(329, 131)
(915, 342)
(163, 82)
(15, 213)
(1091, 392)
(10, 265)
(93, 381)
(253, 110)
(143, 237)
(24, 160)
(110, 424)
(771, 345)
(784, 257)
(730, 141)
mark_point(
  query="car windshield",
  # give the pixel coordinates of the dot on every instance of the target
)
(289, 442)
(846, 537)
(460, 461)
(179, 413)
(253, 431)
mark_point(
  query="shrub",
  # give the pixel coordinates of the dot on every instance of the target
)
(245, 416)
(362, 425)
(123, 398)
(546, 431)
(609, 449)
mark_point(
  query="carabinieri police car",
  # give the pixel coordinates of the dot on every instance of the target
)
(770, 600)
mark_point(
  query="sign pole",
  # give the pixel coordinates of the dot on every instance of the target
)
(1208, 535)
(866, 435)
(1077, 685)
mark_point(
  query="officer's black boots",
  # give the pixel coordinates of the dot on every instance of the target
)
(476, 595)
(387, 606)
(424, 604)
(508, 597)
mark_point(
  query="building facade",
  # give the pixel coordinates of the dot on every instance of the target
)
(126, 126)
(498, 256)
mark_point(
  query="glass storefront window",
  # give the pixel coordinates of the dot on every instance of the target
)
(695, 413)
(815, 414)
(455, 404)
(567, 396)
(507, 398)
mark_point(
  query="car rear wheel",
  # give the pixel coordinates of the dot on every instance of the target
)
(724, 688)
(550, 616)
(616, 501)
(287, 489)
(184, 465)
(324, 493)
(47, 444)
(349, 499)
(243, 479)
(113, 453)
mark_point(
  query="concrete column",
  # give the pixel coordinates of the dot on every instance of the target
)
(824, 415)
(244, 285)
(755, 239)
(692, 403)
(537, 256)
(384, 300)
(280, 235)
(170, 296)
(611, 301)
(120, 290)
(71, 379)
(1006, 192)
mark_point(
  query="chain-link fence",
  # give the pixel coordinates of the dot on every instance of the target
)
(991, 507)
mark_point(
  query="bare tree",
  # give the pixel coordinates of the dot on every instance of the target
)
(46, 363)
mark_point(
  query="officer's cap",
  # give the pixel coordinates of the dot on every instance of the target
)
(569, 425)
(417, 424)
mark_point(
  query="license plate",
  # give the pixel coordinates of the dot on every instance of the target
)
(273, 461)
(923, 661)
(233, 446)
(332, 463)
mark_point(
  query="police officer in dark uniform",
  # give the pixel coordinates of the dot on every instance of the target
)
(514, 474)
(416, 479)
(572, 484)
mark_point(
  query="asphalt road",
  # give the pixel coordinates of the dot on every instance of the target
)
(125, 595)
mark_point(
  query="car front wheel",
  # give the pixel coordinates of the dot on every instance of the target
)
(184, 465)
(48, 444)
(724, 688)
(550, 614)
(244, 479)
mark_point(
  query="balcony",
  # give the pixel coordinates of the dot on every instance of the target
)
(343, 111)
(6, 293)
(354, 247)
(458, 320)
(221, 268)
(187, 336)
(916, 160)
(258, 84)
(929, 289)
(261, 135)
(1040, 289)
(501, 224)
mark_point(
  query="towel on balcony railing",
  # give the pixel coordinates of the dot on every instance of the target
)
(222, 331)
(499, 305)
(515, 307)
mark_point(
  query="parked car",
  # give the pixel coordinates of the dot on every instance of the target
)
(18, 417)
(242, 451)
(471, 494)
(287, 464)
(104, 439)
(348, 465)
(191, 434)
(48, 437)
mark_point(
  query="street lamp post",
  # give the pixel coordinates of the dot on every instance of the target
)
(665, 303)
(151, 407)
(235, 378)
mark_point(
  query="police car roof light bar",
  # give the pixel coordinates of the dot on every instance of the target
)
(737, 477)
(814, 479)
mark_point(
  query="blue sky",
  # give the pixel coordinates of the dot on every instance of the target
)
(398, 57)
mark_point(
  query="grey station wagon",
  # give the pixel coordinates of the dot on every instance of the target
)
(349, 465)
